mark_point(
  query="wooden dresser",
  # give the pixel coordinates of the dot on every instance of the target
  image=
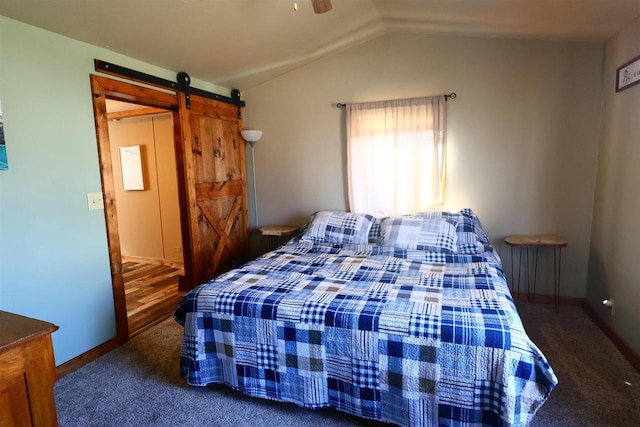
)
(27, 372)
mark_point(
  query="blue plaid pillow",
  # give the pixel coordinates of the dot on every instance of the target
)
(374, 232)
(420, 233)
(339, 227)
(472, 238)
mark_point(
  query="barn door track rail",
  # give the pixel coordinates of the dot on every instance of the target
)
(182, 83)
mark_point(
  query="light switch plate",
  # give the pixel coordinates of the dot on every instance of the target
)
(95, 201)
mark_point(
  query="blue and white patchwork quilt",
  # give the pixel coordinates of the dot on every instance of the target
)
(411, 337)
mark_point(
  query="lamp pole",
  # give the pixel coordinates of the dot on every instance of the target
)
(253, 136)
(255, 189)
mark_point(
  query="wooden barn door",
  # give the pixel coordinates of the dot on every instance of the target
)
(214, 171)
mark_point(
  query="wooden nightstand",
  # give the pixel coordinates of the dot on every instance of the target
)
(278, 234)
(533, 242)
(27, 371)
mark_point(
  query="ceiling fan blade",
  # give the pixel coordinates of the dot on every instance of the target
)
(321, 6)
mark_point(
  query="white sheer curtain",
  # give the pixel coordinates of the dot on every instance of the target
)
(396, 155)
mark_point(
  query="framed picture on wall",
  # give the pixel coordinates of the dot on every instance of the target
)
(628, 74)
(4, 165)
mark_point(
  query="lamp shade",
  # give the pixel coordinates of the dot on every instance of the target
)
(251, 135)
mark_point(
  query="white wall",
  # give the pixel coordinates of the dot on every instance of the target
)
(615, 232)
(54, 261)
(523, 132)
(149, 219)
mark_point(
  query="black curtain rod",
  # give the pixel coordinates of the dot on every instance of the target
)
(451, 95)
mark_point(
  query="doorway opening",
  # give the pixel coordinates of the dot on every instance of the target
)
(151, 271)
(146, 191)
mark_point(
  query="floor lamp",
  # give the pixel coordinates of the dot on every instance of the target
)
(253, 136)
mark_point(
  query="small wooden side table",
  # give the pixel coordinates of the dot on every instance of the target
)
(533, 242)
(27, 371)
(278, 234)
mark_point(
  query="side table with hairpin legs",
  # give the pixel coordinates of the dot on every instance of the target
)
(529, 245)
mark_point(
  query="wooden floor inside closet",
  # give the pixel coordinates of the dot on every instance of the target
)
(151, 292)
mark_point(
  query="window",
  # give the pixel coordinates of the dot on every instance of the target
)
(396, 155)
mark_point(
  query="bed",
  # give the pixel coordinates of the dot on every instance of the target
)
(406, 320)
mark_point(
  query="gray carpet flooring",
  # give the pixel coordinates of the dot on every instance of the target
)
(138, 384)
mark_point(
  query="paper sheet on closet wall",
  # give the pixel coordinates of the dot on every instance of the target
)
(131, 161)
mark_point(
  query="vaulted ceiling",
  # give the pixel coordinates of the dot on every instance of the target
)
(242, 43)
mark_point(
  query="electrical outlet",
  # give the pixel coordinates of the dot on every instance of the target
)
(95, 202)
(608, 303)
(178, 249)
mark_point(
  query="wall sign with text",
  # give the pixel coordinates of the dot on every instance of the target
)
(131, 162)
(628, 74)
